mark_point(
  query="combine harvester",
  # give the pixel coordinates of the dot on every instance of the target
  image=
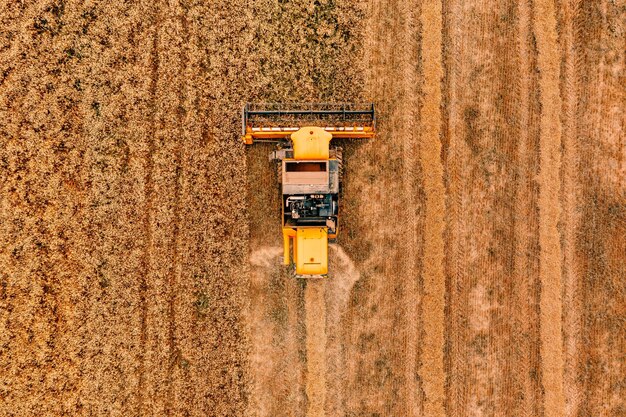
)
(309, 171)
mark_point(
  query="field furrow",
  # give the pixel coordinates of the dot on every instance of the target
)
(432, 371)
(549, 210)
(570, 217)
(148, 202)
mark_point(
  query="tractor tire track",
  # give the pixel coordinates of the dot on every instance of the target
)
(315, 307)
(175, 273)
(533, 385)
(148, 204)
(520, 342)
(550, 210)
(411, 67)
(184, 320)
(570, 197)
(524, 389)
(343, 275)
(431, 371)
(457, 291)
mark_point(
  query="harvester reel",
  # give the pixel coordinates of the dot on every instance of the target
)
(273, 122)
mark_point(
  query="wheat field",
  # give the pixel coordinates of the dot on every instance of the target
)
(480, 268)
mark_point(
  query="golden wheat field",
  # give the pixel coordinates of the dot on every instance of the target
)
(481, 267)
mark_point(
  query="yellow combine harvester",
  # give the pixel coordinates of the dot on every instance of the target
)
(309, 171)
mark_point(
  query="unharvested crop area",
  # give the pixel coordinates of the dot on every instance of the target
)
(481, 266)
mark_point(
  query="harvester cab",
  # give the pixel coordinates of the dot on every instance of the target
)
(309, 170)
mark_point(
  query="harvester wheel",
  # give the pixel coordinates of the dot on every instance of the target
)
(339, 157)
(279, 171)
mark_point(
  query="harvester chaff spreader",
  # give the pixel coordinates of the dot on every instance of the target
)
(309, 170)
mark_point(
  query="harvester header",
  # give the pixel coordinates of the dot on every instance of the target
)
(271, 122)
